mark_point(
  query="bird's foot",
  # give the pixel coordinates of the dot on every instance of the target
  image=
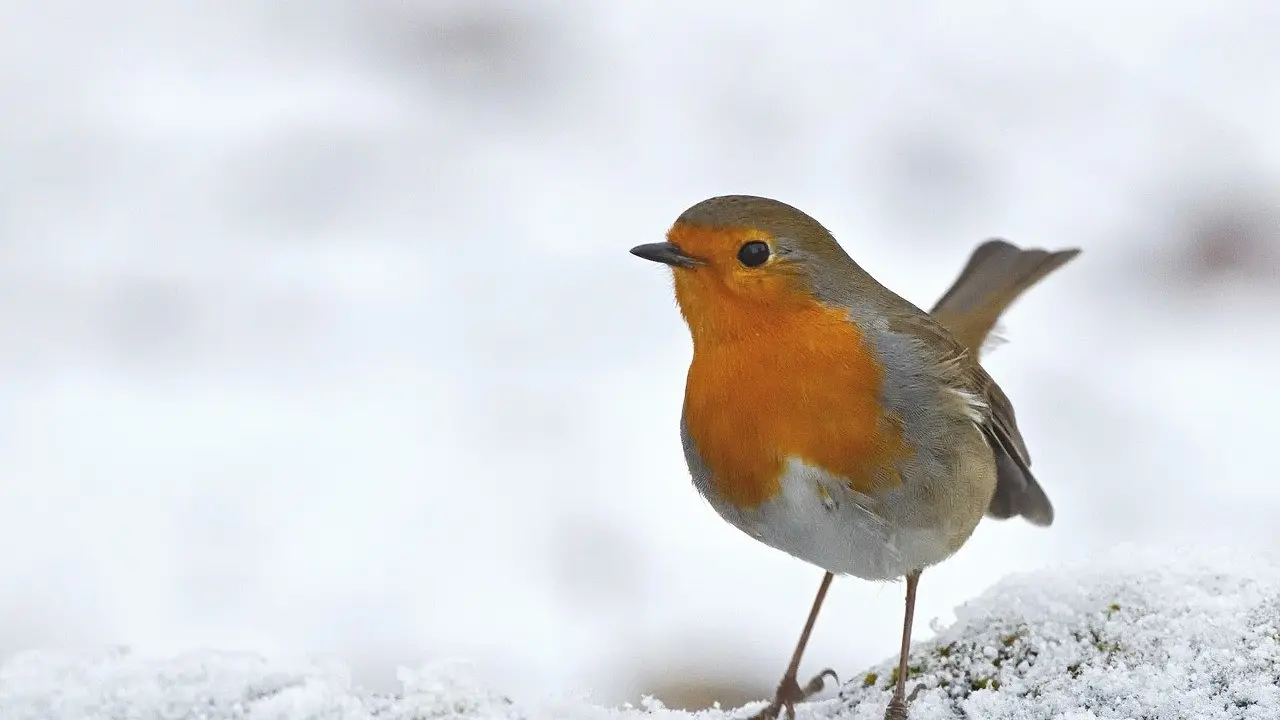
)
(790, 692)
(897, 709)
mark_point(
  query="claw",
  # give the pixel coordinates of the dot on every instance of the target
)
(771, 711)
(789, 693)
(914, 692)
(897, 709)
(818, 682)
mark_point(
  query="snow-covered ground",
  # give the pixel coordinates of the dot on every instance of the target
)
(319, 334)
(1135, 634)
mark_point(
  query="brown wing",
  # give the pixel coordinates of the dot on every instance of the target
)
(1017, 492)
(998, 272)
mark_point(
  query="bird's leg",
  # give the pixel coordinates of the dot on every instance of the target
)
(897, 709)
(789, 690)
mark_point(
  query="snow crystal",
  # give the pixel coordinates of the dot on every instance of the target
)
(1139, 635)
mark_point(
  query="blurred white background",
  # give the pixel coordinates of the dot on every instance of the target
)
(319, 334)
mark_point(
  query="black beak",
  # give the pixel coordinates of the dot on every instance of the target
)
(665, 253)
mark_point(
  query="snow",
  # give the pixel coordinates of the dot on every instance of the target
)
(1138, 633)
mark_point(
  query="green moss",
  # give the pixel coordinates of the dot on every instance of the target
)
(962, 667)
(1103, 645)
(985, 683)
(912, 671)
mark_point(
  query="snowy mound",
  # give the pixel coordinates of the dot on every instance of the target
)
(1137, 636)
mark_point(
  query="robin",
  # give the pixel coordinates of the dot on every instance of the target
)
(829, 418)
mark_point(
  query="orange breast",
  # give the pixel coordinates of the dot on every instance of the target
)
(808, 389)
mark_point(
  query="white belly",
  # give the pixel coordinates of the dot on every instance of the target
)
(818, 519)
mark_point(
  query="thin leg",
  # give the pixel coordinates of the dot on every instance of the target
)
(789, 690)
(897, 709)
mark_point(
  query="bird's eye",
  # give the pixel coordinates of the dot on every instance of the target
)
(753, 254)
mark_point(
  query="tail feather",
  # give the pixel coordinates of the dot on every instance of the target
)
(998, 273)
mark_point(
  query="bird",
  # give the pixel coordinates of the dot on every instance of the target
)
(829, 418)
